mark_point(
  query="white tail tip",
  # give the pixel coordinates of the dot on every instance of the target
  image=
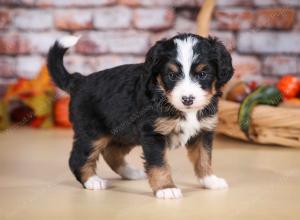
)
(68, 41)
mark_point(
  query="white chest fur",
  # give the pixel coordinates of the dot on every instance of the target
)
(189, 127)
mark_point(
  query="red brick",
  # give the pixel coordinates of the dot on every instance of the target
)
(13, 44)
(297, 25)
(32, 20)
(5, 18)
(128, 42)
(43, 3)
(265, 2)
(73, 19)
(276, 2)
(113, 17)
(290, 2)
(57, 3)
(29, 66)
(29, 42)
(89, 64)
(91, 43)
(280, 65)
(113, 60)
(234, 19)
(41, 42)
(269, 42)
(7, 67)
(27, 3)
(81, 3)
(82, 64)
(132, 3)
(245, 66)
(154, 3)
(146, 2)
(183, 24)
(276, 18)
(189, 3)
(235, 2)
(154, 19)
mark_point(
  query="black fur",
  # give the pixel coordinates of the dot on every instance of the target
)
(55, 66)
(124, 102)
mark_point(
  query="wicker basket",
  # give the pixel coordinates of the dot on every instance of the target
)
(270, 125)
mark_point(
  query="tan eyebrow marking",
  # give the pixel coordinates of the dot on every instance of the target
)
(200, 67)
(173, 67)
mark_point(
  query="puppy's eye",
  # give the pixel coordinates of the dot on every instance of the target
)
(201, 76)
(172, 76)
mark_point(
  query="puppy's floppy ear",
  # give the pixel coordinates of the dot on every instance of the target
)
(153, 55)
(152, 61)
(222, 59)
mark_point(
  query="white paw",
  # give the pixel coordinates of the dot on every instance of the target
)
(168, 193)
(131, 173)
(95, 183)
(213, 182)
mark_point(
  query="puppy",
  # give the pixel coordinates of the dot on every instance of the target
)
(168, 101)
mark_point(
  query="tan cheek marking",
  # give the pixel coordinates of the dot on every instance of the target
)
(160, 178)
(165, 126)
(89, 168)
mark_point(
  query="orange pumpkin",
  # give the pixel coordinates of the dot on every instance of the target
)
(61, 112)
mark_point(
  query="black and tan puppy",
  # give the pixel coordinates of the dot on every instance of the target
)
(168, 101)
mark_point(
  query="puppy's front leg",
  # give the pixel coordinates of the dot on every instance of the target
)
(157, 168)
(199, 152)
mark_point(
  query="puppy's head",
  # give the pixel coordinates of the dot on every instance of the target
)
(188, 69)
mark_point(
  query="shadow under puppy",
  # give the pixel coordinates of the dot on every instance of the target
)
(170, 100)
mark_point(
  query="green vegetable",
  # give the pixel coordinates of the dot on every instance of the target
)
(267, 95)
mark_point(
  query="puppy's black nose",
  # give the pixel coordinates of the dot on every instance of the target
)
(187, 100)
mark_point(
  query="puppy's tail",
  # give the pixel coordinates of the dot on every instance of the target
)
(59, 74)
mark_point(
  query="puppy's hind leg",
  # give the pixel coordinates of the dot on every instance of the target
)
(114, 155)
(82, 162)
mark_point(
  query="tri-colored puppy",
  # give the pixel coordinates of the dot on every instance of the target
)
(168, 101)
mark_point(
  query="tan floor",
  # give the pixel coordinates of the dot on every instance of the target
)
(35, 183)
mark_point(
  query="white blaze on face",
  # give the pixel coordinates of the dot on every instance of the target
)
(186, 86)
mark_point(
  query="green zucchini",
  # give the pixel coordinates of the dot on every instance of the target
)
(266, 95)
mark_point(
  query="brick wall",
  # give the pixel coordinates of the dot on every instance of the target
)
(263, 35)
